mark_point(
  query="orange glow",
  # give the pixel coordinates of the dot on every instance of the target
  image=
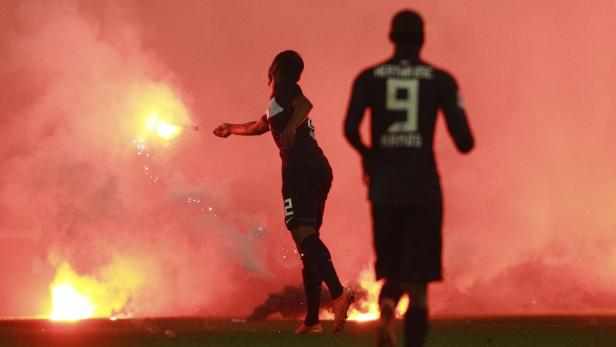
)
(75, 297)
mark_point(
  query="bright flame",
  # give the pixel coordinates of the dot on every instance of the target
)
(367, 308)
(75, 297)
(167, 131)
(69, 305)
(159, 113)
(163, 129)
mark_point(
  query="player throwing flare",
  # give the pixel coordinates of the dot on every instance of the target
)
(306, 180)
(404, 95)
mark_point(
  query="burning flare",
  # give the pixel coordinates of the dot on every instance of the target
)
(69, 304)
(160, 113)
(366, 307)
(75, 297)
(162, 128)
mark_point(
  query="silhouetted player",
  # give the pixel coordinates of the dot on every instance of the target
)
(404, 95)
(306, 180)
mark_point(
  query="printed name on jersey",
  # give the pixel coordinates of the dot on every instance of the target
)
(401, 140)
(273, 108)
(389, 70)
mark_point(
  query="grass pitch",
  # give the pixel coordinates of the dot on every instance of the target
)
(472, 332)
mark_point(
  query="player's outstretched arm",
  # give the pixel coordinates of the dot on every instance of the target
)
(301, 108)
(257, 127)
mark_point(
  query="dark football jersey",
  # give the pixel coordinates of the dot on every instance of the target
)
(404, 96)
(305, 152)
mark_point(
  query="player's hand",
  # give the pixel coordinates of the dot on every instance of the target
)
(287, 137)
(223, 130)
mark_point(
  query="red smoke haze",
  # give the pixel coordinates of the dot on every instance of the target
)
(529, 216)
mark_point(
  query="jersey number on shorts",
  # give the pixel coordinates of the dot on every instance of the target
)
(410, 104)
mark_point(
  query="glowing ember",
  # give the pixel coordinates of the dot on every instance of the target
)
(75, 297)
(366, 307)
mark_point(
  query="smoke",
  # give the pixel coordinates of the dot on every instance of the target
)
(529, 215)
(80, 183)
(289, 303)
(528, 221)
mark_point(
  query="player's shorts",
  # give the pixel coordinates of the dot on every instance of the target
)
(408, 241)
(304, 193)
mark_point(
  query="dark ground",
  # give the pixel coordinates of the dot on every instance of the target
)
(459, 332)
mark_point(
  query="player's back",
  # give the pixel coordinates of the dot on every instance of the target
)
(405, 95)
(305, 154)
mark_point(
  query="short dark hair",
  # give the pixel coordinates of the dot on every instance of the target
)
(407, 28)
(290, 64)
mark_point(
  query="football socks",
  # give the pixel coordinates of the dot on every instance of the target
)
(317, 258)
(312, 289)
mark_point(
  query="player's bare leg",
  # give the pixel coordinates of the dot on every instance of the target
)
(386, 335)
(316, 258)
(416, 318)
(388, 300)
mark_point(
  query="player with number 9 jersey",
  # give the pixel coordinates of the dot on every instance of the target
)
(404, 95)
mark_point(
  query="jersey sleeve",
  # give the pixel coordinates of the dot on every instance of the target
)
(455, 116)
(356, 110)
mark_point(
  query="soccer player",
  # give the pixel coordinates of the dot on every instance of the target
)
(306, 180)
(404, 95)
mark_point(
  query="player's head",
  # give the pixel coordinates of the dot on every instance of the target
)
(287, 64)
(407, 29)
